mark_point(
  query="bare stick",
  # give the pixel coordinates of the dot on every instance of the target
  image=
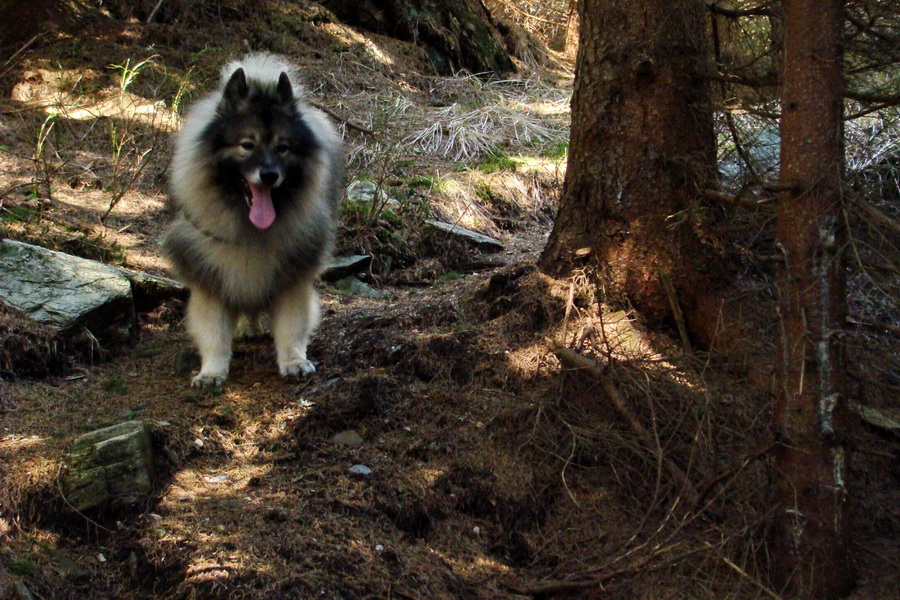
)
(876, 215)
(575, 584)
(341, 119)
(574, 360)
(753, 580)
(708, 485)
(676, 311)
(569, 304)
(750, 203)
(9, 61)
(777, 187)
(154, 11)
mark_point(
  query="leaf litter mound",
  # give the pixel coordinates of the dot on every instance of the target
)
(491, 469)
(492, 466)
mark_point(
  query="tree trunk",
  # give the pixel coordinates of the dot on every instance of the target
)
(812, 532)
(642, 151)
(19, 21)
(561, 37)
(458, 34)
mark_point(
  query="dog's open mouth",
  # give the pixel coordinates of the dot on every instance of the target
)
(259, 199)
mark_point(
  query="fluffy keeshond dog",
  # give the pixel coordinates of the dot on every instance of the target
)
(256, 180)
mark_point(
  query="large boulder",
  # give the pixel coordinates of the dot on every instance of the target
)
(66, 293)
(55, 308)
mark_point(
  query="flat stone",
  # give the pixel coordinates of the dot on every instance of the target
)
(484, 242)
(360, 471)
(345, 266)
(355, 287)
(365, 192)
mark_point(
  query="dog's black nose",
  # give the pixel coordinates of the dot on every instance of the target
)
(268, 176)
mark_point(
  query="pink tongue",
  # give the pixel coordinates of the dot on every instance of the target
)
(262, 213)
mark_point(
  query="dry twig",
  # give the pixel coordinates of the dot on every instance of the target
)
(676, 311)
(341, 119)
(574, 360)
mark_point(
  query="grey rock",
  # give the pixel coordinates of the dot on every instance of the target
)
(22, 591)
(66, 293)
(359, 471)
(365, 192)
(149, 291)
(482, 241)
(345, 266)
(113, 463)
(347, 438)
(134, 565)
(68, 567)
(355, 287)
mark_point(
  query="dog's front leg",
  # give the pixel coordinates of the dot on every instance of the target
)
(211, 325)
(294, 318)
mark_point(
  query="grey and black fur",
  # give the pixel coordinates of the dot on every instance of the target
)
(256, 182)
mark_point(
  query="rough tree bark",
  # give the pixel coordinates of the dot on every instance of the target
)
(458, 34)
(642, 151)
(21, 20)
(810, 408)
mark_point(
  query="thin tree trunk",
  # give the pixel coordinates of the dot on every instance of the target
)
(561, 38)
(810, 409)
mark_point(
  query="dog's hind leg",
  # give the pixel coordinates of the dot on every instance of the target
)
(211, 325)
(294, 318)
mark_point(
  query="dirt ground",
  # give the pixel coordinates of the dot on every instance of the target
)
(494, 471)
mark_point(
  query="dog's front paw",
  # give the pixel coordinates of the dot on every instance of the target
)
(208, 380)
(298, 368)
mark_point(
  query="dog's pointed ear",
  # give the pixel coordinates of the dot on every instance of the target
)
(236, 90)
(285, 90)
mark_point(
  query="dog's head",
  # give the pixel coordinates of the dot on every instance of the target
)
(260, 145)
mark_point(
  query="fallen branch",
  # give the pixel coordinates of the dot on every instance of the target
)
(877, 215)
(676, 311)
(750, 203)
(752, 580)
(154, 11)
(573, 360)
(8, 65)
(711, 483)
(778, 187)
(341, 119)
(763, 10)
(590, 579)
(864, 320)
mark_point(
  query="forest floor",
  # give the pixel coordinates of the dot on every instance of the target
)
(496, 472)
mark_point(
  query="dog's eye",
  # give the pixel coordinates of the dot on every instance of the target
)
(248, 146)
(282, 148)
